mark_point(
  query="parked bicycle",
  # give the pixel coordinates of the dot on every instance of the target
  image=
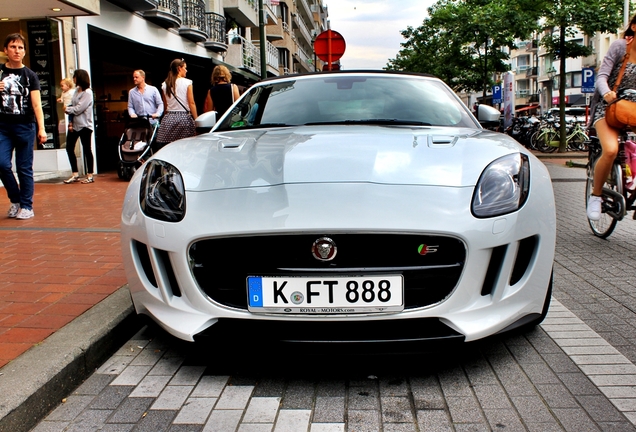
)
(548, 138)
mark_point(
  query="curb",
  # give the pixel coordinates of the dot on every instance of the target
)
(36, 382)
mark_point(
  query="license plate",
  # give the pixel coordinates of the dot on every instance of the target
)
(325, 294)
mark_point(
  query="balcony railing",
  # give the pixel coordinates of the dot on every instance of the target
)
(530, 72)
(306, 61)
(304, 30)
(193, 25)
(194, 14)
(170, 6)
(271, 53)
(217, 36)
(303, 6)
(241, 53)
(166, 14)
(521, 70)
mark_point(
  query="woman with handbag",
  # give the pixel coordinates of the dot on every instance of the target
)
(178, 98)
(616, 73)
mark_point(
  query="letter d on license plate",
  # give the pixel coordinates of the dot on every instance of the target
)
(325, 295)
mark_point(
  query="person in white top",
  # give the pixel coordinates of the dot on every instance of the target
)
(178, 99)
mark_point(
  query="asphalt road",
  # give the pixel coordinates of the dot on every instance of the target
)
(575, 372)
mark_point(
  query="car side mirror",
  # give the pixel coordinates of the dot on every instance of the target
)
(488, 116)
(205, 122)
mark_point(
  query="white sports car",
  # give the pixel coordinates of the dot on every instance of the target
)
(342, 207)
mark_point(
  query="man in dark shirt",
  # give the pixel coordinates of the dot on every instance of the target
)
(21, 120)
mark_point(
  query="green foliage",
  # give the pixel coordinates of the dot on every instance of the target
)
(461, 41)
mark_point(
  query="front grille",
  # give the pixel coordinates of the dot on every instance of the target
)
(221, 266)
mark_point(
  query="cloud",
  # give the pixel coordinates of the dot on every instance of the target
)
(371, 29)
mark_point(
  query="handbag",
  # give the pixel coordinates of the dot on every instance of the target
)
(621, 113)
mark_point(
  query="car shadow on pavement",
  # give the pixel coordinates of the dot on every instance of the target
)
(247, 360)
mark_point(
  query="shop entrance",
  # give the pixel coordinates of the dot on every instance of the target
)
(113, 60)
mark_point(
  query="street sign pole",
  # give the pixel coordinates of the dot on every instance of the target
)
(261, 31)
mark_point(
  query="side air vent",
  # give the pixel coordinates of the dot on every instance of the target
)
(494, 268)
(527, 248)
(144, 258)
(165, 263)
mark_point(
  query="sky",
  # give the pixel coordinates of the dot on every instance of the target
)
(371, 29)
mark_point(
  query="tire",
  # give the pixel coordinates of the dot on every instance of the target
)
(544, 311)
(542, 141)
(605, 225)
(578, 142)
(121, 171)
(128, 172)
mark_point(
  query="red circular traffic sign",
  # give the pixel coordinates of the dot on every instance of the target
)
(329, 46)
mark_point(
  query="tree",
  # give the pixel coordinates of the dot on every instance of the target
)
(461, 41)
(564, 17)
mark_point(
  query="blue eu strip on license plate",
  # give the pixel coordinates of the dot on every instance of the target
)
(255, 290)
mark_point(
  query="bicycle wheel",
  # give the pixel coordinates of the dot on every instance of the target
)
(605, 225)
(543, 140)
(578, 141)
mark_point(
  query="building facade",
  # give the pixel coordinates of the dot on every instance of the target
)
(112, 38)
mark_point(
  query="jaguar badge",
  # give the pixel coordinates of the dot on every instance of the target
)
(324, 249)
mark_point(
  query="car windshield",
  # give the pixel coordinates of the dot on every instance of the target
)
(386, 99)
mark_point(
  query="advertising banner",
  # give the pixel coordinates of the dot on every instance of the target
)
(509, 98)
(41, 62)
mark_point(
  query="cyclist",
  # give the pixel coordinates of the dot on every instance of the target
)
(603, 95)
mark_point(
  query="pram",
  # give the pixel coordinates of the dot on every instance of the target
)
(135, 145)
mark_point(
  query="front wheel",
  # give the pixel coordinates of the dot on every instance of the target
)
(605, 225)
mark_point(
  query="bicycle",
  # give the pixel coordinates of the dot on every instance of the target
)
(576, 138)
(546, 139)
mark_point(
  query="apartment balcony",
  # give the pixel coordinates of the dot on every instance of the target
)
(521, 70)
(244, 12)
(533, 45)
(532, 72)
(305, 63)
(136, 5)
(193, 26)
(243, 54)
(217, 36)
(302, 28)
(271, 17)
(165, 15)
(271, 56)
(303, 8)
(524, 93)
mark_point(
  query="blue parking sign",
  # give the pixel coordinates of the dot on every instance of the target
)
(496, 94)
(587, 81)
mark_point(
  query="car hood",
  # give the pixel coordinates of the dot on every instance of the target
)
(453, 157)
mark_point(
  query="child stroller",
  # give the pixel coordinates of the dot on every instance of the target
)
(135, 145)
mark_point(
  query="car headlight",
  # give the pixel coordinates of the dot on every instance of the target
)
(503, 186)
(162, 193)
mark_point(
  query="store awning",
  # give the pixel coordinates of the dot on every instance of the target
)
(528, 108)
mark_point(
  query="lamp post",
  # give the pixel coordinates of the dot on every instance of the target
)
(551, 74)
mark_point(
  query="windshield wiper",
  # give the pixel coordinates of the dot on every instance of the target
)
(373, 122)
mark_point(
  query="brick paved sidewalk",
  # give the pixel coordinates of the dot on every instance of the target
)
(59, 264)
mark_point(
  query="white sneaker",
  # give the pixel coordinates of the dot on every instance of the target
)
(594, 207)
(13, 210)
(25, 214)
